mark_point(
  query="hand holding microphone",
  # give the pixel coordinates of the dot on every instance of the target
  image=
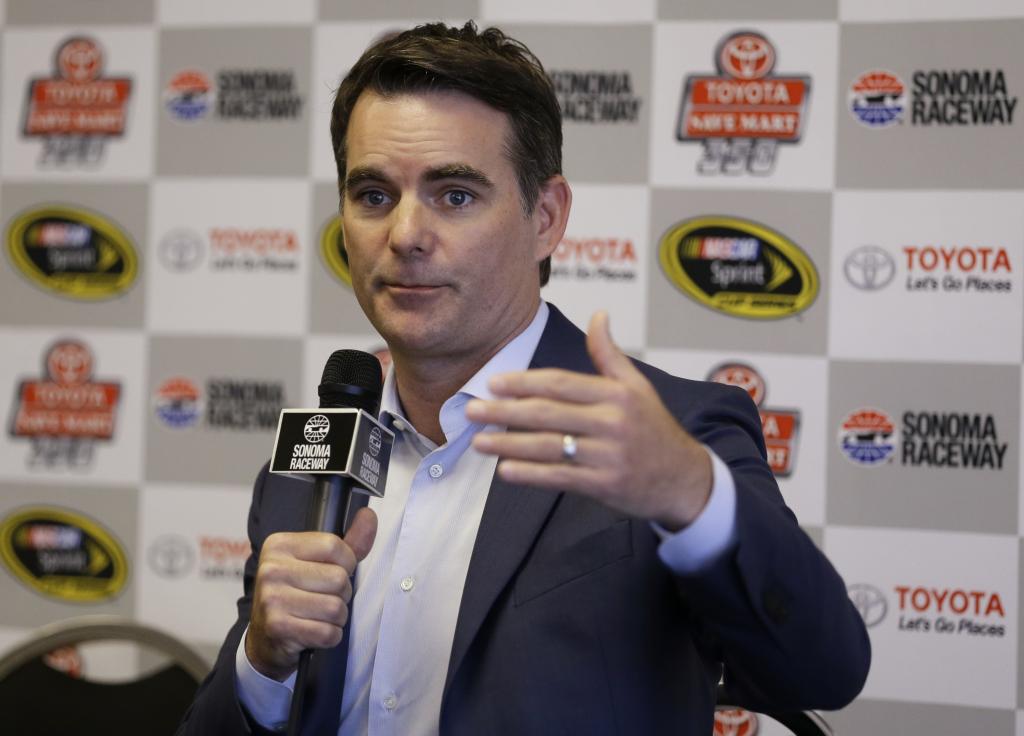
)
(303, 588)
(303, 584)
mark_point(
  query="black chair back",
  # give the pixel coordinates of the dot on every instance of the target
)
(38, 700)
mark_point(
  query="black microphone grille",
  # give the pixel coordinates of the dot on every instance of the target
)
(355, 368)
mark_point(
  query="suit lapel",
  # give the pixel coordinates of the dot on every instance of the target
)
(513, 514)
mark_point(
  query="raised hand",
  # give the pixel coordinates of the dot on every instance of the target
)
(607, 436)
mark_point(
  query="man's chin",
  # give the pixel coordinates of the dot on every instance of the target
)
(414, 333)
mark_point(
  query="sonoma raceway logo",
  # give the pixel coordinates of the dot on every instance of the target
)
(938, 439)
(237, 94)
(942, 97)
(951, 440)
(316, 428)
(867, 437)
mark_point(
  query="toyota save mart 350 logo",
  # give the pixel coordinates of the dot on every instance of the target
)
(744, 112)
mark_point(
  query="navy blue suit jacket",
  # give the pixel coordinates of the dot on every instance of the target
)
(569, 622)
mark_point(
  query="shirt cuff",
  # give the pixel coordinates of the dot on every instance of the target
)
(267, 700)
(709, 535)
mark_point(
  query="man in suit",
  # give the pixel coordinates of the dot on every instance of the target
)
(570, 542)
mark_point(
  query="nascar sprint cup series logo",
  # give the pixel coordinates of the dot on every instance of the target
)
(72, 252)
(62, 554)
(738, 267)
(332, 250)
(744, 112)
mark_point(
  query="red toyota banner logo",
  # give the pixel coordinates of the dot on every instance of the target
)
(743, 113)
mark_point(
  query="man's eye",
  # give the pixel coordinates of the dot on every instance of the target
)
(373, 197)
(458, 197)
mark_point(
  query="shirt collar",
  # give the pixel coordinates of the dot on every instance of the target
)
(515, 356)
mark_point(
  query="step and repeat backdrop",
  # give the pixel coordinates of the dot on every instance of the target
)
(822, 202)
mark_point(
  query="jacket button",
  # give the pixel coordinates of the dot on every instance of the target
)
(775, 605)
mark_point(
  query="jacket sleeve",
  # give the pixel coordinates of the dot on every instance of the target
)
(216, 710)
(772, 609)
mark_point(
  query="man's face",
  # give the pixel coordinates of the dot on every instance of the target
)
(442, 256)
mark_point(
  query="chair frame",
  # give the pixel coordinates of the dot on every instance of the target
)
(102, 628)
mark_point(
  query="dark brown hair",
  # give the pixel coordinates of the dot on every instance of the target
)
(487, 65)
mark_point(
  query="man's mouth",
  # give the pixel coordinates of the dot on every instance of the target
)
(410, 287)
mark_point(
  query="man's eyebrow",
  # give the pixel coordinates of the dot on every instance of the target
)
(459, 171)
(362, 174)
(465, 172)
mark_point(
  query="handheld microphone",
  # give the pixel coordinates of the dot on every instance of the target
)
(351, 382)
(341, 448)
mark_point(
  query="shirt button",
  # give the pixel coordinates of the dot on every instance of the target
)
(390, 702)
(436, 471)
(407, 583)
(399, 425)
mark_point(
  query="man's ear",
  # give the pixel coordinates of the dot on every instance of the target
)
(551, 214)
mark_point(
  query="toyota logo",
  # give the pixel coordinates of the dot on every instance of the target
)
(69, 362)
(869, 601)
(171, 556)
(79, 60)
(181, 250)
(735, 722)
(869, 268)
(746, 55)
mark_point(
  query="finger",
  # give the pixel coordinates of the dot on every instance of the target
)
(552, 383)
(540, 447)
(536, 414)
(313, 577)
(361, 533)
(310, 547)
(273, 641)
(609, 360)
(312, 634)
(330, 609)
(320, 635)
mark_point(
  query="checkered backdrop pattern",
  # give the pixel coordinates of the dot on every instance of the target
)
(821, 201)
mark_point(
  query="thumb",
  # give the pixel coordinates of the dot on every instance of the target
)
(362, 532)
(609, 360)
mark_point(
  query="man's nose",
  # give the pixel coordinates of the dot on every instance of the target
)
(411, 231)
